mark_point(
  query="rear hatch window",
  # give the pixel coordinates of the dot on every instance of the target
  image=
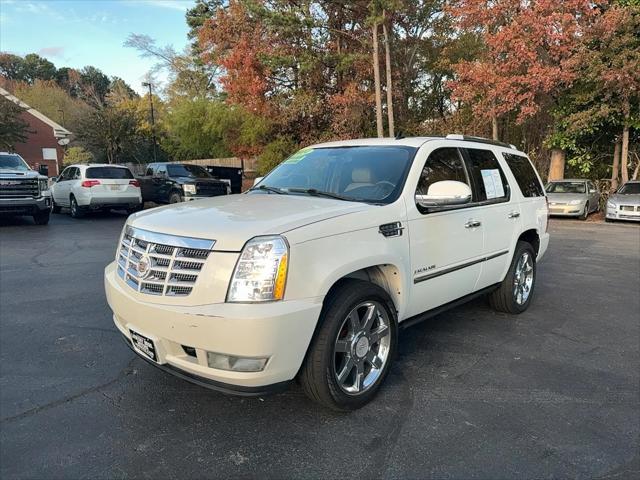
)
(109, 172)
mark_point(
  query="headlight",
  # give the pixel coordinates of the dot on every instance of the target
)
(576, 202)
(44, 184)
(189, 188)
(261, 272)
(611, 204)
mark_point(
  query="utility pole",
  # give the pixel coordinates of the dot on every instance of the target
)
(153, 122)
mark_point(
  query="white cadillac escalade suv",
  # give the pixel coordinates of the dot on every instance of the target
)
(310, 274)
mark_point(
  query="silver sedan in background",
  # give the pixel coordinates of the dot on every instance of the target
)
(573, 198)
(625, 203)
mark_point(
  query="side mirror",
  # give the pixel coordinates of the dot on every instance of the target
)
(445, 193)
(257, 180)
(53, 179)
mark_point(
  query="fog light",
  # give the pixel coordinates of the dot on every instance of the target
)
(235, 364)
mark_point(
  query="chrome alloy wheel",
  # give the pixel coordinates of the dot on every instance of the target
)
(523, 279)
(362, 348)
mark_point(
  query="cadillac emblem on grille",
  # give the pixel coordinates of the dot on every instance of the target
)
(144, 267)
(161, 264)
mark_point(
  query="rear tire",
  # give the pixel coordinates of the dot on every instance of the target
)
(76, 211)
(516, 290)
(41, 218)
(175, 197)
(352, 351)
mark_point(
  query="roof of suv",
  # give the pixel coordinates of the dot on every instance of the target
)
(415, 142)
(90, 165)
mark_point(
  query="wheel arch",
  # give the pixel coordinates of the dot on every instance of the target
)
(532, 237)
(387, 276)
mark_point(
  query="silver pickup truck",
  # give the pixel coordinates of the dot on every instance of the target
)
(23, 191)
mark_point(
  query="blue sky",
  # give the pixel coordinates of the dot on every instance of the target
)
(75, 33)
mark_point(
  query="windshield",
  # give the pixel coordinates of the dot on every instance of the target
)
(187, 171)
(373, 174)
(630, 189)
(13, 162)
(566, 187)
(108, 172)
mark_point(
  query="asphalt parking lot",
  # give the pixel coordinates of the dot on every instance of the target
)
(554, 392)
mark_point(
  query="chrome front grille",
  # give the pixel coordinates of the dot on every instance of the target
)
(160, 264)
(19, 187)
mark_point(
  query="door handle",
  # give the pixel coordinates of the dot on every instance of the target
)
(472, 224)
(513, 214)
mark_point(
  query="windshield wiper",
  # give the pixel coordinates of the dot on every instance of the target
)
(319, 193)
(267, 188)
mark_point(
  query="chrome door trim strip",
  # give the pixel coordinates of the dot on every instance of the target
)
(458, 267)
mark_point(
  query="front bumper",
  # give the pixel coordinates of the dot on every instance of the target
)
(617, 214)
(188, 198)
(279, 331)
(25, 206)
(566, 210)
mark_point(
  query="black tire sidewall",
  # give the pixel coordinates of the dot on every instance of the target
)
(42, 218)
(174, 195)
(332, 319)
(520, 249)
(584, 215)
(75, 213)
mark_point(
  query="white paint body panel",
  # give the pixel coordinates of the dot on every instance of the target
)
(328, 239)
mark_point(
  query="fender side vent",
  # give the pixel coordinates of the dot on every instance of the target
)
(391, 229)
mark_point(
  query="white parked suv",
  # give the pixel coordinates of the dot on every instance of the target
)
(83, 188)
(310, 274)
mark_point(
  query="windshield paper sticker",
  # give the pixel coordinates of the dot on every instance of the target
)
(296, 157)
(492, 183)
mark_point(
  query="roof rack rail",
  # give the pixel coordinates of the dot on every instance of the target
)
(468, 138)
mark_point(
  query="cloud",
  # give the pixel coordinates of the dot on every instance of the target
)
(51, 51)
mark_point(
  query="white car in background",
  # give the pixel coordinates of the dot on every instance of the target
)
(83, 188)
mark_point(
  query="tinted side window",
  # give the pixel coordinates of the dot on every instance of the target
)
(525, 175)
(150, 171)
(442, 164)
(161, 171)
(65, 174)
(488, 177)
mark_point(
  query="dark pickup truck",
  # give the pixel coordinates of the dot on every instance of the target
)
(179, 182)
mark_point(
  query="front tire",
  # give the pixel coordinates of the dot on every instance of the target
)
(41, 218)
(516, 290)
(585, 214)
(55, 208)
(175, 197)
(353, 349)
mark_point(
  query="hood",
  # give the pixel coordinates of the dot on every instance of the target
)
(631, 199)
(566, 197)
(231, 220)
(20, 173)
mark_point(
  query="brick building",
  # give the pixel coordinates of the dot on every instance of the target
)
(43, 138)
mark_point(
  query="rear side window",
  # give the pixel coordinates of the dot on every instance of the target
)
(489, 179)
(108, 172)
(442, 164)
(525, 174)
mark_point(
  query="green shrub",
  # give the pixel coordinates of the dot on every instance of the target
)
(274, 153)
